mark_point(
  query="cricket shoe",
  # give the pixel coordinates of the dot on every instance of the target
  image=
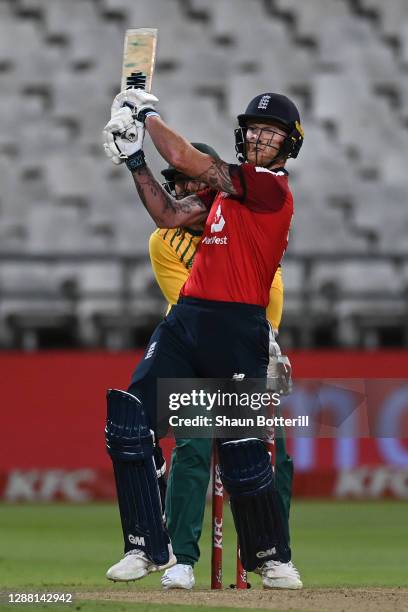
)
(179, 576)
(277, 575)
(136, 565)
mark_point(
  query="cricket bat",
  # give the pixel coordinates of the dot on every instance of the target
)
(139, 56)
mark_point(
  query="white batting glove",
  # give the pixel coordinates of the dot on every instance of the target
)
(274, 348)
(279, 368)
(142, 103)
(122, 136)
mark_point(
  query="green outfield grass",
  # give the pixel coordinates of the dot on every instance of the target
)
(65, 547)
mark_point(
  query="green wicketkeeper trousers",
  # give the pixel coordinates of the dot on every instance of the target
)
(187, 488)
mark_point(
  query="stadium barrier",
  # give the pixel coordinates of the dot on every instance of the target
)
(53, 413)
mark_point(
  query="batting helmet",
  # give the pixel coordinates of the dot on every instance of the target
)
(170, 172)
(279, 109)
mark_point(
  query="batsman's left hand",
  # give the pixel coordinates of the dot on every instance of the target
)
(139, 101)
(122, 136)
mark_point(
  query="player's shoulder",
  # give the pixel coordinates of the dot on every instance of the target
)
(266, 190)
(160, 234)
(156, 236)
(160, 239)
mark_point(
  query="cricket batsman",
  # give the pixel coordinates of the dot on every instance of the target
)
(218, 326)
(172, 255)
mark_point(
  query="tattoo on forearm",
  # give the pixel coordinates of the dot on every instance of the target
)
(158, 202)
(189, 203)
(218, 177)
(148, 188)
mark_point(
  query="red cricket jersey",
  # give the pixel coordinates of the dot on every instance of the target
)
(244, 239)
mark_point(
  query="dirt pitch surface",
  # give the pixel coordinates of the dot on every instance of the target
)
(310, 600)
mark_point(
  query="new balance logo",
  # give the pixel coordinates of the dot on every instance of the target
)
(263, 102)
(150, 350)
(136, 540)
(238, 377)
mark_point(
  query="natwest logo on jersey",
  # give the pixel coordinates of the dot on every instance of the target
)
(216, 227)
(215, 240)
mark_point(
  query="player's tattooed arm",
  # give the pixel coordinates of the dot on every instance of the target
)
(165, 210)
(189, 161)
(218, 177)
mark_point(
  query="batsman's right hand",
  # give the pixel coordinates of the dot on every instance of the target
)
(122, 136)
(138, 100)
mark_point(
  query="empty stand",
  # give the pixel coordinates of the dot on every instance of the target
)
(79, 218)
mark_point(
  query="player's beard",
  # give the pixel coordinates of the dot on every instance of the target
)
(261, 154)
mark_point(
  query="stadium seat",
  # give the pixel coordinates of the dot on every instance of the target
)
(368, 275)
(22, 319)
(292, 66)
(31, 5)
(115, 6)
(70, 95)
(23, 278)
(46, 63)
(402, 88)
(174, 46)
(199, 6)
(322, 230)
(393, 17)
(133, 229)
(168, 84)
(311, 15)
(342, 35)
(210, 69)
(11, 205)
(352, 46)
(227, 20)
(332, 94)
(293, 276)
(13, 236)
(19, 114)
(199, 120)
(13, 31)
(159, 14)
(72, 177)
(62, 17)
(404, 45)
(55, 229)
(381, 210)
(85, 47)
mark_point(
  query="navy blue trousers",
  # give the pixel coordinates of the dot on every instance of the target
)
(203, 339)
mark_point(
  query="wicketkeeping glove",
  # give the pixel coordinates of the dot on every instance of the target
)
(139, 101)
(279, 368)
(122, 136)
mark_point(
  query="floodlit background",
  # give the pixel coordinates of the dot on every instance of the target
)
(78, 300)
